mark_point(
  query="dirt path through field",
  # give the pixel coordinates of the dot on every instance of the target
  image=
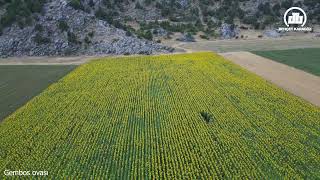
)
(298, 82)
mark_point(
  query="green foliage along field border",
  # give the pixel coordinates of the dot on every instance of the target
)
(142, 117)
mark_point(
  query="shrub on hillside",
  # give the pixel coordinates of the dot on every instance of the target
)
(204, 37)
(138, 5)
(63, 25)
(38, 28)
(76, 4)
(72, 38)
(39, 39)
(20, 11)
(145, 34)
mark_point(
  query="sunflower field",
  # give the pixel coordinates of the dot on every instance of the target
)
(185, 116)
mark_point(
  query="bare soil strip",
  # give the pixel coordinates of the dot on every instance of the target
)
(300, 83)
(45, 60)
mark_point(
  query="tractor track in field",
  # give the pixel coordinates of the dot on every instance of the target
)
(298, 82)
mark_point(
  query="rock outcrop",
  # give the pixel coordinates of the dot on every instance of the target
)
(62, 30)
(228, 31)
(272, 33)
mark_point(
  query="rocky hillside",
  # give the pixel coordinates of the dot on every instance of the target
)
(60, 29)
(72, 27)
(146, 18)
